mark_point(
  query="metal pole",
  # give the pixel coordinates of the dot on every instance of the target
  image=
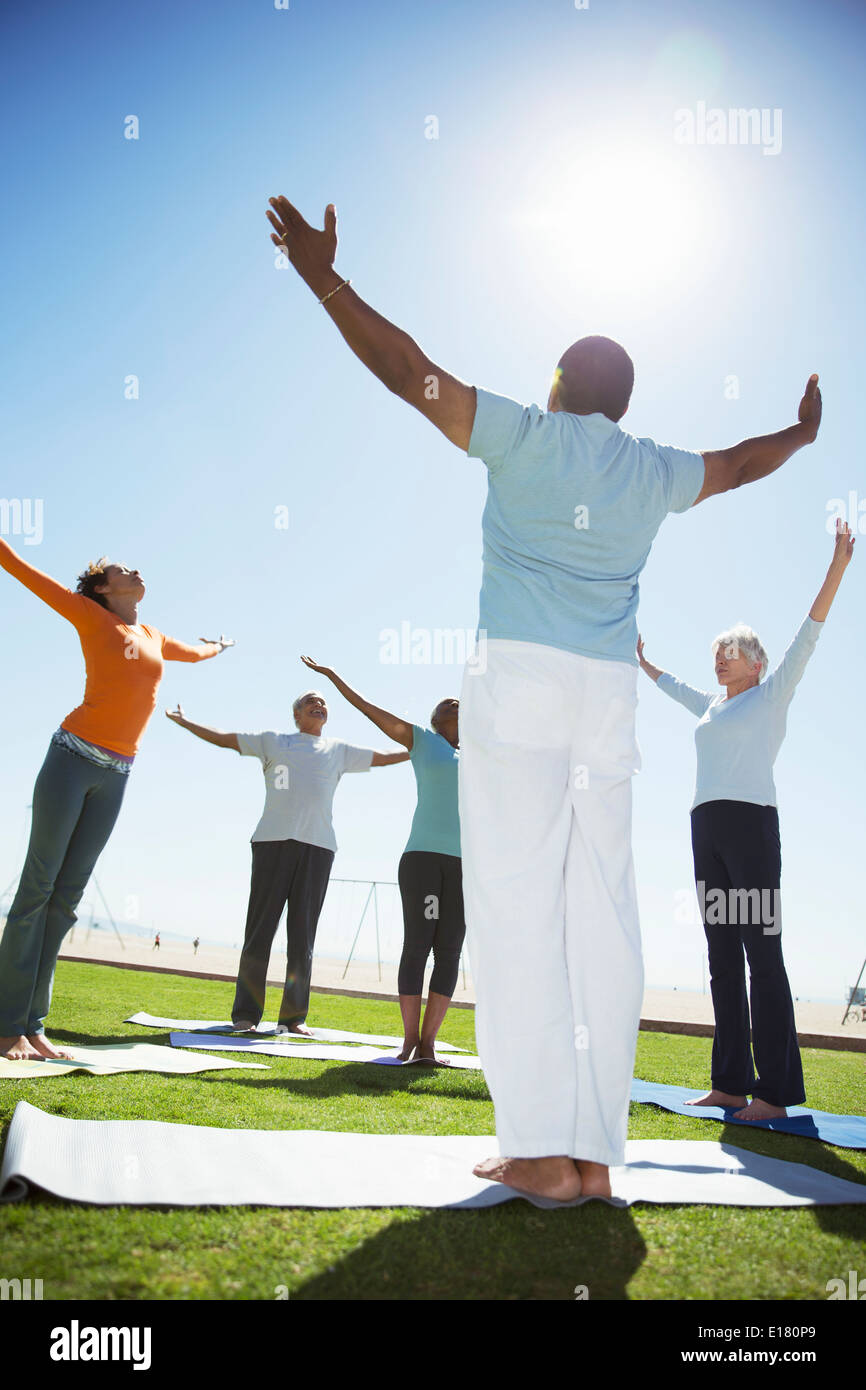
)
(108, 910)
(854, 991)
(360, 924)
(376, 911)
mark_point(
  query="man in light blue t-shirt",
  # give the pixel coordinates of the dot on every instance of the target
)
(547, 718)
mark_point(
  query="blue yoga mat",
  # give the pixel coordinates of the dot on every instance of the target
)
(845, 1131)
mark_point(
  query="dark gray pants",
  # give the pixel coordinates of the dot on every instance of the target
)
(290, 874)
(75, 805)
(736, 846)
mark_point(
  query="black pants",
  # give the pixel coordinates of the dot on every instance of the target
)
(285, 872)
(431, 888)
(736, 847)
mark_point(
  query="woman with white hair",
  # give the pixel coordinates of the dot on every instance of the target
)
(737, 855)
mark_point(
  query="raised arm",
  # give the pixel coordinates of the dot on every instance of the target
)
(652, 671)
(172, 650)
(75, 607)
(842, 552)
(388, 759)
(698, 701)
(757, 458)
(391, 726)
(214, 736)
(389, 353)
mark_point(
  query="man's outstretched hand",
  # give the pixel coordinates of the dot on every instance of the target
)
(809, 413)
(311, 252)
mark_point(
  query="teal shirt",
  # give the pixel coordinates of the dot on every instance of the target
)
(573, 506)
(436, 823)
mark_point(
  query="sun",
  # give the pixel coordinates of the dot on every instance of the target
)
(621, 217)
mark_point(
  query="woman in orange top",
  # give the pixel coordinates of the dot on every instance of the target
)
(80, 787)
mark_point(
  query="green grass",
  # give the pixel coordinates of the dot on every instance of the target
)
(508, 1252)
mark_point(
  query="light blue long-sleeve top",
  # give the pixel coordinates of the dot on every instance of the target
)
(738, 739)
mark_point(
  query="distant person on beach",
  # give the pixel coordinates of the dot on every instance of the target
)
(738, 858)
(78, 793)
(156, 942)
(430, 871)
(547, 717)
(195, 947)
(293, 849)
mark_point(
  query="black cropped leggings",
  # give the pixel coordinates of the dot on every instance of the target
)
(431, 889)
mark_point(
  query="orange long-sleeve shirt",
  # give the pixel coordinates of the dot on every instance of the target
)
(124, 664)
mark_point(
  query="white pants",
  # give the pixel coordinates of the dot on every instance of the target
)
(547, 752)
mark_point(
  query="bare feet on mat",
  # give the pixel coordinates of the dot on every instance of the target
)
(244, 1026)
(18, 1049)
(407, 1051)
(594, 1178)
(300, 1028)
(721, 1098)
(426, 1052)
(557, 1177)
(761, 1110)
(40, 1044)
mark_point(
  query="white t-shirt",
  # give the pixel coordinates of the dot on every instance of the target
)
(301, 775)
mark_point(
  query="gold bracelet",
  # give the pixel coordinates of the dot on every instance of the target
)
(334, 291)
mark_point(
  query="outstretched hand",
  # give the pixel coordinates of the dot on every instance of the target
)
(310, 251)
(221, 641)
(322, 670)
(844, 544)
(177, 715)
(809, 413)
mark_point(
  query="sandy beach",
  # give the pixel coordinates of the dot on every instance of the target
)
(669, 1005)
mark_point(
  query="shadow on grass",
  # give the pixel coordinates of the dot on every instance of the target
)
(846, 1221)
(509, 1252)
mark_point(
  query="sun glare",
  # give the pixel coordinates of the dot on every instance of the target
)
(622, 221)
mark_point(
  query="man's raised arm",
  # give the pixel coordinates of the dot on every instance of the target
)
(756, 458)
(391, 355)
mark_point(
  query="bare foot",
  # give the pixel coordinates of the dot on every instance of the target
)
(761, 1110)
(594, 1178)
(557, 1177)
(18, 1049)
(407, 1051)
(721, 1098)
(244, 1026)
(427, 1053)
(45, 1048)
(300, 1028)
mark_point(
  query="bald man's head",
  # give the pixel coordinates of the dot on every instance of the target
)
(594, 374)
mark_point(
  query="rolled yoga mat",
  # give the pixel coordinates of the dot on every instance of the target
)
(119, 1057)
(845, 1131)
(193, 1025)
(333, 1052)
(146, 1162)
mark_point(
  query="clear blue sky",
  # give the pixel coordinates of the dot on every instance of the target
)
(554, 202)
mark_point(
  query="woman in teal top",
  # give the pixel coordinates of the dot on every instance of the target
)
(430, 873)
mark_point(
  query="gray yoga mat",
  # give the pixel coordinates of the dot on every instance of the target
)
(151, 1163)
(201, 1025)
(321, 1052)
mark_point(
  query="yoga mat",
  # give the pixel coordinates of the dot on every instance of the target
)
(845, 1131)
(334, 1052)
(198, 1025)
(146, 1162)
(118, 1057)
